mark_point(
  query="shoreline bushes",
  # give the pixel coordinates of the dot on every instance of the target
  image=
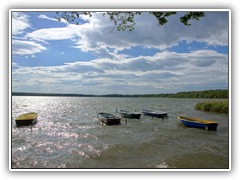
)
(213, 106)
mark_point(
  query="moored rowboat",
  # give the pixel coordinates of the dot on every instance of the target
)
(198, 123)
(131, 115)
(26, 119)
(158, 114)
(109, 119)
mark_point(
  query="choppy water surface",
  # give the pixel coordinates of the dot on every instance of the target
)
(68, 135)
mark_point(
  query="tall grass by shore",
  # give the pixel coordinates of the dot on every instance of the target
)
(213, 106)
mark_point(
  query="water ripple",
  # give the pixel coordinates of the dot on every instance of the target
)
(67, 135)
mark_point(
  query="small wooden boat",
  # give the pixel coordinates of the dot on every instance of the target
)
(131, 115)
(26, 119)
(157, 114)
(109, 119)
(198, 123)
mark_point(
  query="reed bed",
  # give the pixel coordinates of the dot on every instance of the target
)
(213, 106)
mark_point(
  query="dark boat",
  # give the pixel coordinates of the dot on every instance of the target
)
(157, 114)
(131, 115)
(198, 123)
(109, 119)
(26, 119)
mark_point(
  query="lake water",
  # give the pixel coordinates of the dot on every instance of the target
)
(68, 135)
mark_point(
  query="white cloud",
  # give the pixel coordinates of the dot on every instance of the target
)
(20, 22)
(95, 36)
(43, 16)
(20, 47)
(112, 72)
(52, 34)
(212, 29)
(101, 76)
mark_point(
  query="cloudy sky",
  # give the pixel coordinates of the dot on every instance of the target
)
(49, 56)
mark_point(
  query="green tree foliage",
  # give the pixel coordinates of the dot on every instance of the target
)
(124, 21)
(216, 94)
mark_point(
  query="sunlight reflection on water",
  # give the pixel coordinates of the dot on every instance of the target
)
(67, 135)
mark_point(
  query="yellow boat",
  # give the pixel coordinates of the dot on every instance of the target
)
(26, 119)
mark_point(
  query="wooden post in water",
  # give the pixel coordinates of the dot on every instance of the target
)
(126, 121)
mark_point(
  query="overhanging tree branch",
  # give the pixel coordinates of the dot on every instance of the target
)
(124, 21)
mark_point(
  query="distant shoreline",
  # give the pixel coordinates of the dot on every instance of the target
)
(214, 94)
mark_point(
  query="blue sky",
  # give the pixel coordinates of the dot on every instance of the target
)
(49, 56)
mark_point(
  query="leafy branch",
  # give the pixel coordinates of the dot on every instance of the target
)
(124, 21)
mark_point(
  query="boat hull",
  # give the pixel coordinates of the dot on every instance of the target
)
(155, 114)
(198, 123)
(26, 122)
(130, 115)
(27, 119)
(109, 119)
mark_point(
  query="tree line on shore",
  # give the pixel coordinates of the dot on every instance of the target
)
(217, 94)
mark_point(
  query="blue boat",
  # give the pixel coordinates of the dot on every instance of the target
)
(198, 123)
(157, 114)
